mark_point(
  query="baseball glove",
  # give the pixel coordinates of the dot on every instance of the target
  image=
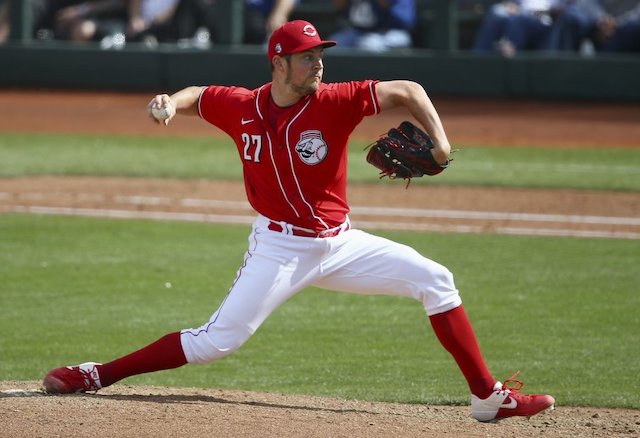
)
(404, 152)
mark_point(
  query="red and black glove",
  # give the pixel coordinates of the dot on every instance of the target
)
(404, 152)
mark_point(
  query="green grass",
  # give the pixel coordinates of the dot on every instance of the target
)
(562, 310)
(37, 154)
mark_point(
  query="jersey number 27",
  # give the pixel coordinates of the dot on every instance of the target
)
(252, 144)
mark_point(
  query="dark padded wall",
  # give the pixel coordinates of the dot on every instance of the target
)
(66, 67)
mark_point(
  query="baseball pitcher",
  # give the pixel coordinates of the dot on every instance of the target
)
(291, 135)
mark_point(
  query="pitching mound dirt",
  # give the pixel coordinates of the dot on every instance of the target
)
(127, 411)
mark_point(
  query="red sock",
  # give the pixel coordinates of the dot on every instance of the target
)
(456, 335)
(164, 354)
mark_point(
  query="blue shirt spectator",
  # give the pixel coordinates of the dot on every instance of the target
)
(600, 25)
(375, 25)
(513, 26)
(261, 17)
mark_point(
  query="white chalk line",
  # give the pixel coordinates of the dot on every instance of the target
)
(248, 219)
(23, 393)
(365, 210)
(420, 212)
(133, 214)
(515, 166)
(494, 215)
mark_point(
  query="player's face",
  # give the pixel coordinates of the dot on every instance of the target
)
(304, 72)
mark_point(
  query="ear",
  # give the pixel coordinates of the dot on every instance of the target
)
(278, 63)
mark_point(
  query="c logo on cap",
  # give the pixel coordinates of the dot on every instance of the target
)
(278, 48)
(309, 30)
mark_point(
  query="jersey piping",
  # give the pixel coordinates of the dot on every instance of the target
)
(202, 90)
(293, 172)
(373, 98)
(273, 162)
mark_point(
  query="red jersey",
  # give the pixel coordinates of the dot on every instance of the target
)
(298, 172)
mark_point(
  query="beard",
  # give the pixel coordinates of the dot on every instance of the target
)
(308, 87)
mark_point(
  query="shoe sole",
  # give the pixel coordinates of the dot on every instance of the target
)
(544, 411)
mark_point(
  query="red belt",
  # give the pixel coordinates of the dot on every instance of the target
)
(276, 226)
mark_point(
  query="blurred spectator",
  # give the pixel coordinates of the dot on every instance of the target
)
(375, 25)
(591, 26)
(151, 21)
(513, 26)
(261, 17)
(83, 21)
(195, 23)
(189, 23)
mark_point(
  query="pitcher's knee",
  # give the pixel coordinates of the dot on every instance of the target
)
(444, 277)
(430, 275)
(440, 293)
(210, 343)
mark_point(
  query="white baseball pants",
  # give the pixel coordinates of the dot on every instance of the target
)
(277, 266)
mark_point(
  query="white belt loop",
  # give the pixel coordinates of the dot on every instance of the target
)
(285, 228)
(293, 230)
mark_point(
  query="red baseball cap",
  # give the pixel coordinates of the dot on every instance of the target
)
(293, 37)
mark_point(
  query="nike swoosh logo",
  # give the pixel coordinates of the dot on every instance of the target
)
(511, 405)
(244, 122)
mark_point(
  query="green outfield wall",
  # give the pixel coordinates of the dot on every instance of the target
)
(63, 66)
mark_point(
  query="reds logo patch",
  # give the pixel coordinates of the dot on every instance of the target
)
(311, 147)
(309, 30)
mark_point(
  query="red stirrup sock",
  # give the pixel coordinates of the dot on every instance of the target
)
(456, 335)
(164, 354)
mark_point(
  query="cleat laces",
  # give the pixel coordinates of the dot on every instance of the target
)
(512, 384)
(89, 382)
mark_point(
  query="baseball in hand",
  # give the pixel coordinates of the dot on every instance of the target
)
(161, 113)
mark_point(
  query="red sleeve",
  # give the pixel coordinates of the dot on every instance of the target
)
(214, 105)
(364, 100)
(351, 101)
(369, 98)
